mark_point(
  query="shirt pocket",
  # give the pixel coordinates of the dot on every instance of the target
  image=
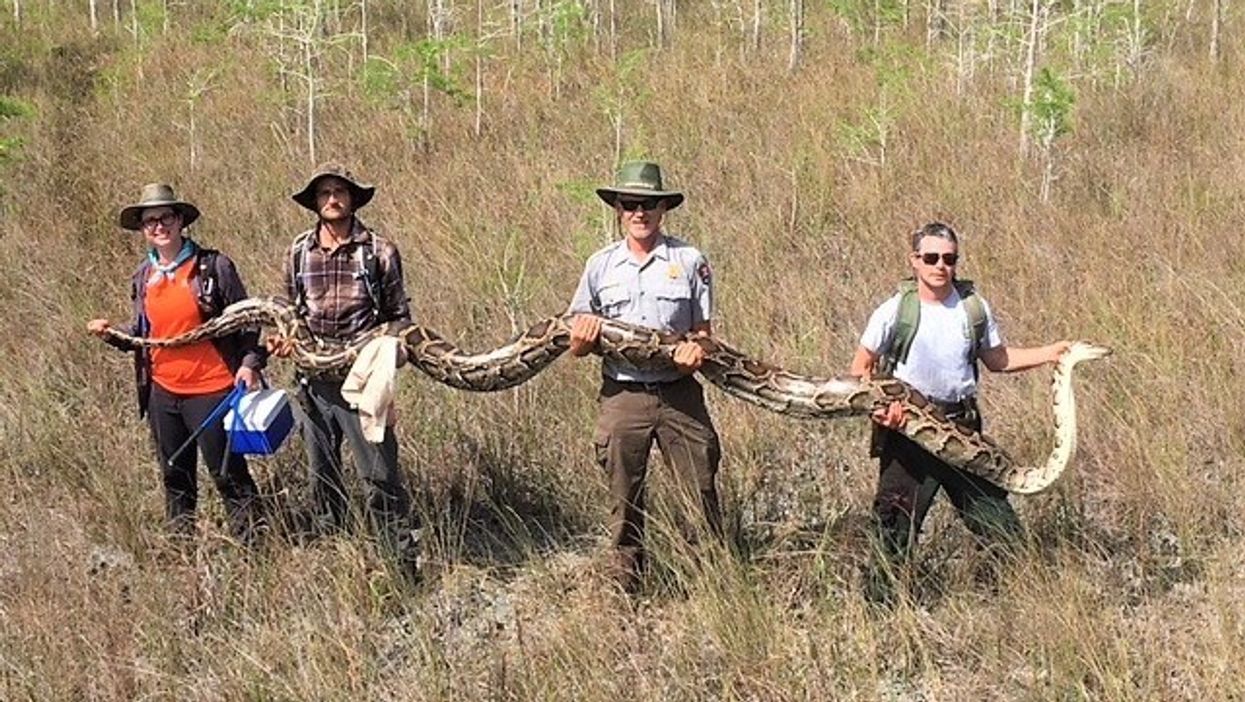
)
(674, 305)
(613, 300)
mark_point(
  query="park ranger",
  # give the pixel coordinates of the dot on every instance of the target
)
(651, 279)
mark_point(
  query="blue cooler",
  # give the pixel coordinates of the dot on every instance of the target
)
(259, 421)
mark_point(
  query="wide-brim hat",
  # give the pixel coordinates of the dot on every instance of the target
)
(640, 179)
(360, 193)
(156, 195)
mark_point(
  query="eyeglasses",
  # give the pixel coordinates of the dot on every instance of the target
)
(168, 219)
(648, 204)
(931, 259)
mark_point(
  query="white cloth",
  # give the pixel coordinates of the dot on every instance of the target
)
(937, 362)
(372, 384)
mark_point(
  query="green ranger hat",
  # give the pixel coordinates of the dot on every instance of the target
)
(640, 179)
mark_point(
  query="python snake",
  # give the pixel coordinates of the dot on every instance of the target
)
(789, 394)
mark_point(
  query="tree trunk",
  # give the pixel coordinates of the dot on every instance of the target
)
(1026, 106)
(661, 23)
(516, 22)
(479, 68)
(613, 31)
(134, 20)
(363, 28)
(1216, 26)
(797, 35)
(309, 67)
(94, 18)
(756, 25)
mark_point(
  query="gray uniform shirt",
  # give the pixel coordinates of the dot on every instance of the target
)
(670, 291)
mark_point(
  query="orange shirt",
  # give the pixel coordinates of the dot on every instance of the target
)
(195, 369)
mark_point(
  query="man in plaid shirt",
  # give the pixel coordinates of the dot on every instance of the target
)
(346, 279)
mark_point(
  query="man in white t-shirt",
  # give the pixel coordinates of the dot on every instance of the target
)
(954, 328)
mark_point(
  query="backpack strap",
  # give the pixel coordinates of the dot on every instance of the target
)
(907, 318)
(206, 284)
(976, 310)
(369, 271)
(138, 295)
(298, 255)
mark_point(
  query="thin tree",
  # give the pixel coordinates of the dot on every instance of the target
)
(797, 35)
(661, 23)
(613, 31)
(94, 18)
(756, 25)
(479, 51)
(363, 28)
(516, 22)
(1216, 26)
(197, 85)
(17, 13)
(1026, 103)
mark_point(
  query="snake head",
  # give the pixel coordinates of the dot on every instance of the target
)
(1084, 351)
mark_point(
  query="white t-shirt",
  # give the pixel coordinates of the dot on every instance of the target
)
(937, 362)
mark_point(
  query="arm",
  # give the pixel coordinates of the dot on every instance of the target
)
(395, 305)
(99, 326)
(863, 363)
(587, 326)
(689, 356)
(1005, 359)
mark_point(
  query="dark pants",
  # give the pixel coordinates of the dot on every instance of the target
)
(908, 482)
(173, 418)
(330, 419)
(632, 417)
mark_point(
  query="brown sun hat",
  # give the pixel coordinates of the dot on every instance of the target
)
(156, 195)
(360, 193)
(640, 179)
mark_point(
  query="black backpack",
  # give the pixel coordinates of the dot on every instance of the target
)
(204, 283)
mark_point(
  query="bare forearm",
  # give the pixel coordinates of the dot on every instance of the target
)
(1014, 360)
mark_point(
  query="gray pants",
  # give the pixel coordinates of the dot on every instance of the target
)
(330, 419)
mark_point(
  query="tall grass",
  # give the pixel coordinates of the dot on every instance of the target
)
(1132, 587)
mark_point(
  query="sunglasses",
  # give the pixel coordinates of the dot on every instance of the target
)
(648, 204)
(168, 220)
(931, 259)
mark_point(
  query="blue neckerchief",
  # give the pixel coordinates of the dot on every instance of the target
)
(160, 270)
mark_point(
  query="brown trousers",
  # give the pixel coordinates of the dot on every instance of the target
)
(632, 417)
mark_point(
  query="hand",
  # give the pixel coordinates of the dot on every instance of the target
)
(585, 331)
(249, 377)
(98, 327)
(279, 346)
(892, 417)
(1056, 350)
(688, 357)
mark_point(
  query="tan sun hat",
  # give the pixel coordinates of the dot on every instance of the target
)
(360, 193)
(156, 195)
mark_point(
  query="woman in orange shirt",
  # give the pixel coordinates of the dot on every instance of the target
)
(178, 286)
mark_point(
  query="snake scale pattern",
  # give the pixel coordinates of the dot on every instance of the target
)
(734, 372)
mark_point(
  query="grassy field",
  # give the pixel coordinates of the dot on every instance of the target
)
(801, 185)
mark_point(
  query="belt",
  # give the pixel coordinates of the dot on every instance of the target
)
(637, 386)
(960, 409)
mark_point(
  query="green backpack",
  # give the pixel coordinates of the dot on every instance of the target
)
(909, 317)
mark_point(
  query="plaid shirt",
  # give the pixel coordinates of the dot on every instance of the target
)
(338, 304)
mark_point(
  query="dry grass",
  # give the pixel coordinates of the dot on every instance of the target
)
(1133, 587)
